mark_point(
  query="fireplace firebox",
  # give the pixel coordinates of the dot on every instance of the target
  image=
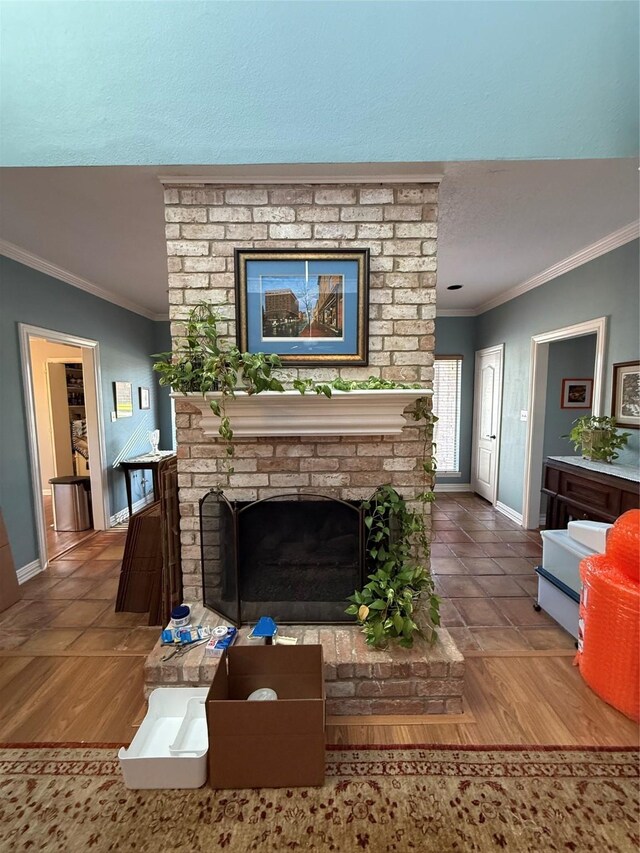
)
(295, 557)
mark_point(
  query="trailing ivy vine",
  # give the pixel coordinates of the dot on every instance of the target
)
(203, 362)
(399, 601)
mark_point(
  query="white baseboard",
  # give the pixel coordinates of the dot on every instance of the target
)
(510, 513)
(452, 487)
(29, 571)
(123, 514)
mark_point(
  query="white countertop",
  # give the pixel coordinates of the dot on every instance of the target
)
(151, 457)
(613, 469)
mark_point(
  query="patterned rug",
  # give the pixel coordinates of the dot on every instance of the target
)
(381, 800)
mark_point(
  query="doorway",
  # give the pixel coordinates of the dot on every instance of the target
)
(595, 331)
(61, 376)
(487, 414)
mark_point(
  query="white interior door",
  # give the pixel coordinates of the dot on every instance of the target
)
(487, 408)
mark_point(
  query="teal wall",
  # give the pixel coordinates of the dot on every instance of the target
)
(126, 341)
(605, 287)
(572, 359)
(106, 83)
(456, 336)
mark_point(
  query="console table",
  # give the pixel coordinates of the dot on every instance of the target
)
(579, 489)
(150, 462)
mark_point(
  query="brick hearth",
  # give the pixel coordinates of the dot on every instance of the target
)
(359, 680)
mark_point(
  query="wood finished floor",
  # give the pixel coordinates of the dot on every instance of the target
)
(72, 670)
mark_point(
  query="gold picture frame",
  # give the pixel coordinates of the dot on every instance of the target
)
(307, 307)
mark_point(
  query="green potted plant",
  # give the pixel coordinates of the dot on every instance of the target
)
(597, 437)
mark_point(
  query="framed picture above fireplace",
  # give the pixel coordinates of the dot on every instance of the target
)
(308, 307)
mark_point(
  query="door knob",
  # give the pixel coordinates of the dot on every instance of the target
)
(489, 436)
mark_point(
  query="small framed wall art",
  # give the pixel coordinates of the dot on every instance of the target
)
(625, 399)
(143, 395)
(123, 396)
(308, 307)
(576, 393)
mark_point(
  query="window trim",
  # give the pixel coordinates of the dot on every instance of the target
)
(456, 357)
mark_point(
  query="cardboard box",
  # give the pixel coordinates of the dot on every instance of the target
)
(271, 744)
(9, 586)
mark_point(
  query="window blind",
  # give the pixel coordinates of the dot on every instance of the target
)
(446, 405)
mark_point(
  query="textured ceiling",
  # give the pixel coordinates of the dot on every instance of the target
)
(500, 222)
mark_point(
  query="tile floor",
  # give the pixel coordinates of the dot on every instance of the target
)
(483, 565)
(58, 542)
(482, 562)
(70, 606)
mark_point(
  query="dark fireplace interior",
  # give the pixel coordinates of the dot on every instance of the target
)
(295, 557)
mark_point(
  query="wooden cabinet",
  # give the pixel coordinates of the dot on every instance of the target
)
(578, 489)
(67, 416)
(75, 386)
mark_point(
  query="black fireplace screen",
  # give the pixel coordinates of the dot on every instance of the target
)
(293, 557)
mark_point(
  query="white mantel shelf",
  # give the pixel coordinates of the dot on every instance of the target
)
(291, 413)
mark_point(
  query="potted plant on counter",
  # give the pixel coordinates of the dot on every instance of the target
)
(598, 438)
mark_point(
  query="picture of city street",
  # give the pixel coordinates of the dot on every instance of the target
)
(299, 307)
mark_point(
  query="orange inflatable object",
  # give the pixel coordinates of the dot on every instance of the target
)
(623, 544)
(609, 641)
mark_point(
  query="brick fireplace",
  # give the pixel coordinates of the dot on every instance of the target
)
(397, 222)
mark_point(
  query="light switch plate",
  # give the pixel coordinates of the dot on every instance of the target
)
(113, 417)
(524, 415)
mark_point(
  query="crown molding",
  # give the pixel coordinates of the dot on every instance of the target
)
(456, 312)
(22, 256)
(589, 253)
(258, 179)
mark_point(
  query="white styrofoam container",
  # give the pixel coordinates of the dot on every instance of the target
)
(561, 557)
(558, 605)
(591, 534)
(193, 730)
(170, 747)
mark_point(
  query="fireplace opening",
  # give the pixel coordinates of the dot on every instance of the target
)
(294, 557)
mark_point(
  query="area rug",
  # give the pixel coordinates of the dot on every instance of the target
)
(381, 800)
